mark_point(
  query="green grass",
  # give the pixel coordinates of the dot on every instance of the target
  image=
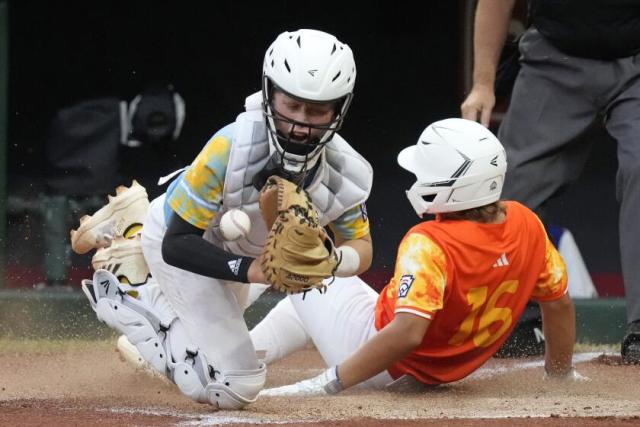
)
(584, 347)
(47, 346)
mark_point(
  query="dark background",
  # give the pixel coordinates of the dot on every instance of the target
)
(409, 59)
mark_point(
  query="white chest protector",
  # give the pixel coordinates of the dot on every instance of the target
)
(342, 180)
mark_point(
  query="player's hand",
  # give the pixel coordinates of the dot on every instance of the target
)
(322, 385)
(255, 274)
(572, 376)
(479, 104)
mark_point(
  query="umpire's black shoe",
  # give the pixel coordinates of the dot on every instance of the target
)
(631, 343)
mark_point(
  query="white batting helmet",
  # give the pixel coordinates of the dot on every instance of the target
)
(311, 66)
(459, 164)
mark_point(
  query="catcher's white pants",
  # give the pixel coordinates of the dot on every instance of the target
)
(210, 309)
(338, 322)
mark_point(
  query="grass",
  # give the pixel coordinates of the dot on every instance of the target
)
(47, 346)
(585, 347)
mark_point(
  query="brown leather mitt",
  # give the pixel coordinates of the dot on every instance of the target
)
(298, 254)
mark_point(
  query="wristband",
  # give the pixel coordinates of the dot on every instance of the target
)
(349, 261)
(334, 386)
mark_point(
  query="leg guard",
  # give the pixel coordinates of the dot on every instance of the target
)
(160, 339)
(140, 322)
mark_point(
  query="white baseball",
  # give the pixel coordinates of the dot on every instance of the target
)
(234, 225)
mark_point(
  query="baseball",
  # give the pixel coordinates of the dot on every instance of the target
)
(234, 225)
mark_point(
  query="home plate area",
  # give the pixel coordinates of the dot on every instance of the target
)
(77, 383)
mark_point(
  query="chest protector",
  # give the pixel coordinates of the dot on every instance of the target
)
(342, 180)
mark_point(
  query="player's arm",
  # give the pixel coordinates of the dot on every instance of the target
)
(195, 201)
(184, 247)
(351, 265)
(395, 341)
(490, 31)
(353, 241)
(558, 316)
(559, 327)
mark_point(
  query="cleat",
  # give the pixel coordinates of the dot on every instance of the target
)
(123, 215)
(132, 231)
(123, 259)
(631, 344)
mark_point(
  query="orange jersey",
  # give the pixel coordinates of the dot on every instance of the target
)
(472, 280)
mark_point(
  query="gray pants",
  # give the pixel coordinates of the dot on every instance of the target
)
(555, 99)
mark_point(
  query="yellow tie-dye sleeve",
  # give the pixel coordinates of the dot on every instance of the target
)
(352, 224)
(552, 282)
(198, 195)
(420, 276)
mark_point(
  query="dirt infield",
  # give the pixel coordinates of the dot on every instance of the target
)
(86, 383)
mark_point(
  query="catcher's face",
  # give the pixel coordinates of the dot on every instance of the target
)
(301, 122)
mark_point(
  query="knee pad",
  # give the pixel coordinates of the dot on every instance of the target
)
(237, 389)
(198, 379)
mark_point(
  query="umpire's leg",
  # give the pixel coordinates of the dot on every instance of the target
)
(624, 126)
(551, 105)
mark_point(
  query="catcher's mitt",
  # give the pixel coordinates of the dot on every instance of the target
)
(298, 254)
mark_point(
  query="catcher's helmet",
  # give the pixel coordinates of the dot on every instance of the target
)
(310, 66)
(459, 164)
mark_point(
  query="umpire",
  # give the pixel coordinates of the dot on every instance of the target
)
(580, 63)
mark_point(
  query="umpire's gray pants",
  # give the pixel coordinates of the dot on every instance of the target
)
(555, 99)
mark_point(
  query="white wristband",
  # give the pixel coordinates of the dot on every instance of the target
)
(333, 385)
(349, 261)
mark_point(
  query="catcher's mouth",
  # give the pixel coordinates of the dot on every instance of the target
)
(300, 144)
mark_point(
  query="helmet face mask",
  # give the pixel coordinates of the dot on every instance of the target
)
(284, 126)
(459, 165)
(310, 67)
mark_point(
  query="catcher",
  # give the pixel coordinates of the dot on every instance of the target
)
(460, 284)
(188, 322)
